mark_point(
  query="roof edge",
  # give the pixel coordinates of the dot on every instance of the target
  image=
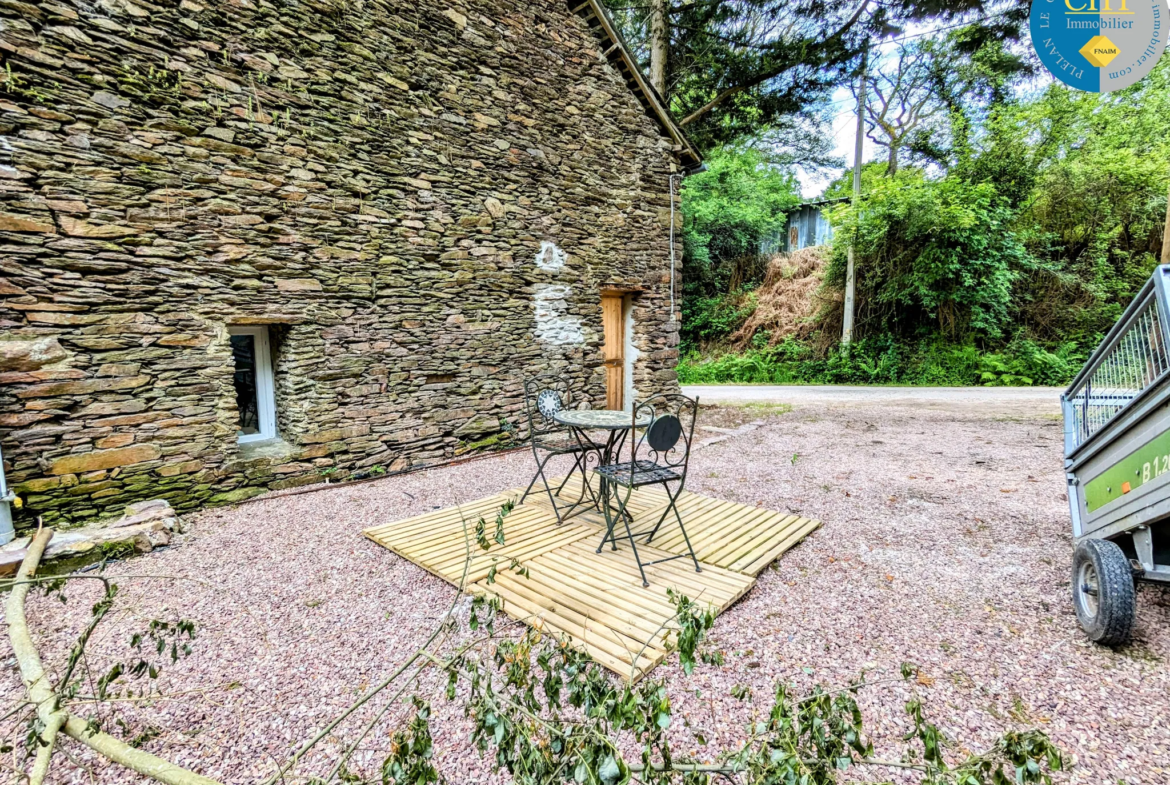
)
(617, 52)
(822, 200)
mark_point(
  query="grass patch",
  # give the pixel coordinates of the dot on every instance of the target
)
(766, 407)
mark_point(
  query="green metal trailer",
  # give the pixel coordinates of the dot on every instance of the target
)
(1117, 461)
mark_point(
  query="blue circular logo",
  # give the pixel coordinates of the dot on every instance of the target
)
(1099, 45)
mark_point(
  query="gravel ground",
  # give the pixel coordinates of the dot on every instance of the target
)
(946, 543)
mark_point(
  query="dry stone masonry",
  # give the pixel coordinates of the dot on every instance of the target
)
(421, 201)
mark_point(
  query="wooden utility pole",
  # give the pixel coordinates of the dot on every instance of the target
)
(850, 275)
(659, 46)
(1166, 234)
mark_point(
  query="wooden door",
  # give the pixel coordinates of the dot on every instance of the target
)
(614, 351)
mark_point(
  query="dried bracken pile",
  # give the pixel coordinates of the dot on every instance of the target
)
(789, 299)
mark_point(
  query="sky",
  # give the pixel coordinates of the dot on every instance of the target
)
(844, 133)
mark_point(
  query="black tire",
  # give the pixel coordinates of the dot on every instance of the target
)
(1107, 609)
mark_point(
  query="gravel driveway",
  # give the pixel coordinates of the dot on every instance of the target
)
(945, 543)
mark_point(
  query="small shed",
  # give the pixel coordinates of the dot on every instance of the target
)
(807, 225)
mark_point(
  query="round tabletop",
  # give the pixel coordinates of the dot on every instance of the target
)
(599, 418)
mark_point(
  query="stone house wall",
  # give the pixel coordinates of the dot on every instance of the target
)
(421, 199)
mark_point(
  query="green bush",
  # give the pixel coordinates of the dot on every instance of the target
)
(934, 257)
(728, 209)
(1024, 363)
(886, 361)
(711, 319)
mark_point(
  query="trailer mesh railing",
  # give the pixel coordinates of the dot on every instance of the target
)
(1135, 361)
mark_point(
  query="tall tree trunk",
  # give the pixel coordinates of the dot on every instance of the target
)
(892, 166)
(659, 46)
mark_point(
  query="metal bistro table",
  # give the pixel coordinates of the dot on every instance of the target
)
(618, 424)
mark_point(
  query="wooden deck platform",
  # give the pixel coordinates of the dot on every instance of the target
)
(597, 599)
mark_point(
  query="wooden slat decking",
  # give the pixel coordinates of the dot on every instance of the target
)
(597, 599)
(727, 534)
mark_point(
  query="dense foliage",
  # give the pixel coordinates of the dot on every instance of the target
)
(1014, 232)
(731, 69)
(939, 257)
(885, 360)
(741, 198)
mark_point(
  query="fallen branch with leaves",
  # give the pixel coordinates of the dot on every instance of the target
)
(49, 711)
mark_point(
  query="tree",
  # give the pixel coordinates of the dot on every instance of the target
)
(970, 75)
(1096, 211)
(740, 198)
(900, 100)
(731, 68)
(659, 45)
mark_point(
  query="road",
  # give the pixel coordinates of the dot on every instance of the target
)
(1047, 398)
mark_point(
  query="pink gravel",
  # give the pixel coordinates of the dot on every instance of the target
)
(945, 543)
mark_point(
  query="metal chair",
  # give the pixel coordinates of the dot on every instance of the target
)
(544, 397)
(658, 456)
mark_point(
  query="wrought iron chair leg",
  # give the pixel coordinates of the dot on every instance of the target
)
(551, 498)
(609, 522)
(664, 512)
(623, 514)
(673, 505)
(686, 539)
(586, 484)
(534, 476)
(540, 464)
(576, 465)
(625, 519)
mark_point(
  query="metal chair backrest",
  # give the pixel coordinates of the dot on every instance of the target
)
(664, 433)
(544, 397)
(667, 440)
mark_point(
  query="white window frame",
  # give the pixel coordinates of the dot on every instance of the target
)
(265, 384)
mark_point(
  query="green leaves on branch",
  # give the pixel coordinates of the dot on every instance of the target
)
(481, 538)
(549, 714)
(932, 257)
(694, 621)
(411, 750)
(484, 609)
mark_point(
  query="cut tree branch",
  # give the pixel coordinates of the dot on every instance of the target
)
(48, 704)
(32, 671)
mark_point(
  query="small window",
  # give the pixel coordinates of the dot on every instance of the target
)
(255, 396)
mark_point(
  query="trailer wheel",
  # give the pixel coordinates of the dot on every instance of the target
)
(1103, 591)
